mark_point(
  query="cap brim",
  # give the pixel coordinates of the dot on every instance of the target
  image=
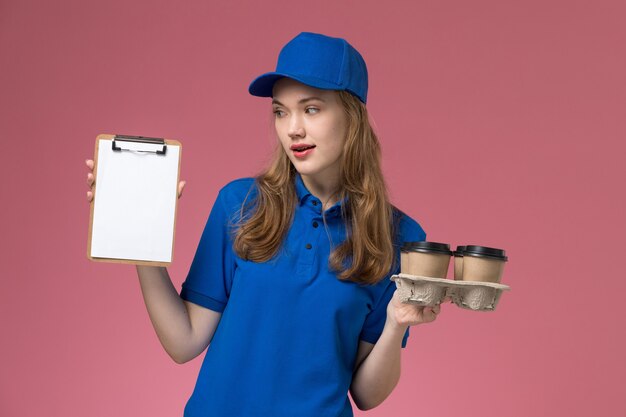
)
(262, 85)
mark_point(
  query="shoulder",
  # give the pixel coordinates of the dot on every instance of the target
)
(407, 228)
(234, 193)
(238, 187)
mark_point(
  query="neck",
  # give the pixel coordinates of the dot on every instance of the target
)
(324, 189)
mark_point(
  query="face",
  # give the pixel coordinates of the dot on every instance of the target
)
(308, 117)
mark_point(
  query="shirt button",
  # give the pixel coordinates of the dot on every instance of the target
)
(315, 224)
(308, 246)
(315, 202)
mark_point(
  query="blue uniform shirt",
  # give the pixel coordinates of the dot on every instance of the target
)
(287, 340)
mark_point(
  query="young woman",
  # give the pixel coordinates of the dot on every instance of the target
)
(289, 287)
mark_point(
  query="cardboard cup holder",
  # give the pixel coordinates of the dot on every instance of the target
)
(429, 292)
(477, 274)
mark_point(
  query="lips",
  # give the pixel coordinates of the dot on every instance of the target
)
(300, 147)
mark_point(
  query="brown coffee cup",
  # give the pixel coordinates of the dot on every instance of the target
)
(483, 264)
(426, 259)
(458, 263)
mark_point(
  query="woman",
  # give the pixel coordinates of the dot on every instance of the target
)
(290, 282)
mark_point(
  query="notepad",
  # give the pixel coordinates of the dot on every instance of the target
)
(135, 199)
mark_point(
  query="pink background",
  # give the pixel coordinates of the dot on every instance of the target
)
(502, 124)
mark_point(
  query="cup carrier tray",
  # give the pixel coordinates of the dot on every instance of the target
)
(428, 291)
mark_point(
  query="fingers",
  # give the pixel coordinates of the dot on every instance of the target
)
(181, 185)
(429, 316)
(430, 313)
(90, 179)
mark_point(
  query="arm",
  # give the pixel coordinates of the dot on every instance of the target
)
(183, 328)
(378, 374)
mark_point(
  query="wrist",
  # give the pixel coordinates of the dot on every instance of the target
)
(394, 327)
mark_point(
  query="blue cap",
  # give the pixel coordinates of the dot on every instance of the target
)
(318, 61)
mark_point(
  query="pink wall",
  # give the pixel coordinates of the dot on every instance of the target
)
(502, 124)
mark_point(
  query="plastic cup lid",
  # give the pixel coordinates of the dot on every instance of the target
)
(427, 247)
(485, 252)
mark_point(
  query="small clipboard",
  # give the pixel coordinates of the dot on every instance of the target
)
(135, 199)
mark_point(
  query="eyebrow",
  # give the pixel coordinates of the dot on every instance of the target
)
(304, 100)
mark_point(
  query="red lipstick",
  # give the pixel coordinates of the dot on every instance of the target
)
(300, 150)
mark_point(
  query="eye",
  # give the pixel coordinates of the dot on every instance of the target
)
(278, 113)
(315, 109)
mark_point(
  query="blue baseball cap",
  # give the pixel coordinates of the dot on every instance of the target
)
(318, 61)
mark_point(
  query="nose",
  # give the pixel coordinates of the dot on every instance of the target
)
(296, 128)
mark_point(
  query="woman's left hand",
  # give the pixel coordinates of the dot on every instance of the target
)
(407, 314)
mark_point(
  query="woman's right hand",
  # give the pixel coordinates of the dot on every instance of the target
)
(91, 181)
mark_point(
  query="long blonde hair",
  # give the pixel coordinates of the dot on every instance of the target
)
(366, 255)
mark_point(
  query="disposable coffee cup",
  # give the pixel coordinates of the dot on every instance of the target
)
(458, 263)
(426, 259)
(483, 264)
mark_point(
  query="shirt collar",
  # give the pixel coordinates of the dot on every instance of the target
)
(302, 192)
(301, 189)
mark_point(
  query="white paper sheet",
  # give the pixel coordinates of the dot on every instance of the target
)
(134, 202)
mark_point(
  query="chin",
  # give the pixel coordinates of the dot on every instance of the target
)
(303, 169)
